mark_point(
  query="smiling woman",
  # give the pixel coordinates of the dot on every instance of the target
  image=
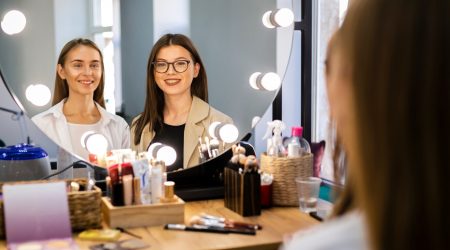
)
(78, 104)
(176, 111)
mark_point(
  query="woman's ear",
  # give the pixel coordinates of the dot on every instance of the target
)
(196, 69)
(60, 71)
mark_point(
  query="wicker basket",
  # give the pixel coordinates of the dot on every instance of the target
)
(285, 170)
(84, 206)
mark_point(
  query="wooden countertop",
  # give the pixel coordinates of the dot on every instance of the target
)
(277, 222)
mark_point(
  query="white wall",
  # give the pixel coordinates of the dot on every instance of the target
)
(136, 43)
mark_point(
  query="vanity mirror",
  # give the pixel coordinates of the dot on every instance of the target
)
(228, 34)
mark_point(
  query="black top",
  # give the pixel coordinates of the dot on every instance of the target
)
(171, 136)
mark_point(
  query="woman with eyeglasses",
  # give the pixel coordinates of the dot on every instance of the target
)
(176, 111)
(78, 104)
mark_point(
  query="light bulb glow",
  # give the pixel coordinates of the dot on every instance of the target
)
(252, 80)
(279, 18)
(255, 121)
(152, 147)
(284, 17)
(212, 129)
(13, 22)
(228, 133)
(96, 144)
(271, 81)
(84, 137)
(166, 154)
(266, 20)
(38, 94)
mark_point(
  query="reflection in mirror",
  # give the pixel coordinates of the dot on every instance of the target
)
(233, 46)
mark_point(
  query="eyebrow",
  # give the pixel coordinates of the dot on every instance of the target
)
(79, 60)
(176, 59)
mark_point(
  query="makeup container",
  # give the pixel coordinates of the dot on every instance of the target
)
(142, 171)
(163, 182)
(117, 186)
(136, 191)
(128, 189)
(108, 187)
(169, 194)
(266, 190)
(156, 180)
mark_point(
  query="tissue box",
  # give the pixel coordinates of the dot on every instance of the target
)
(242, 190)
(143, 215)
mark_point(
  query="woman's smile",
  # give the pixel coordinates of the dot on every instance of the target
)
(172, 81)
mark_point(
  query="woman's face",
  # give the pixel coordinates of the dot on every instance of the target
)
(82, 70)
(174, 82)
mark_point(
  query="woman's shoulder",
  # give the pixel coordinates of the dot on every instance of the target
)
(53, 112)
(110, 117)
(201, 106)
(219, 116)
(346, 232)
(135, 119)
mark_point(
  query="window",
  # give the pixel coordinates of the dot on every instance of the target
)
(329, 15)
(101, 28)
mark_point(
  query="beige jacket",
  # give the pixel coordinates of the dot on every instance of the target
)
(201, 115)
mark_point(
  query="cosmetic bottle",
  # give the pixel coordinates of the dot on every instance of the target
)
(142, 170)
(117, 189)
(137, 191)
(156, 180)
(128, 189)
(296, 145)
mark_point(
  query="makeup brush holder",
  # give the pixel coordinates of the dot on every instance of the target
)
(242, 190)
(284, 171)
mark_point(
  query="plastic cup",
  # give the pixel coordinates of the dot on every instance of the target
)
(308, 193)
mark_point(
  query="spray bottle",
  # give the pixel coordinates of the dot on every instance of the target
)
(275, 143)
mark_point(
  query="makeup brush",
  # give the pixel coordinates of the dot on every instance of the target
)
(197, 220)
(231, 223)
(197, 228)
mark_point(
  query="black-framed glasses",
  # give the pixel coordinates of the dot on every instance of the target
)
(179, 66)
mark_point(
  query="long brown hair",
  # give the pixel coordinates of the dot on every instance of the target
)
(399, 55)
(154, 101)
(61, 90)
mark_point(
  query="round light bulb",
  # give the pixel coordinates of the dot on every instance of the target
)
(152, 147)
(229, 133)
(284, 17)
(84, 137)
(255, 121)
(271, 81)
(252, 80)
(212, 129)
(13, 22)
(97, 144)
(166, 154)
(266, 20)
(38, 94)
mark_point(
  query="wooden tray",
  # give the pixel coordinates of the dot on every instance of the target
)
(142, 215)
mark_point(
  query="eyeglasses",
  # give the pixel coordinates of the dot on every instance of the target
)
(179, 66)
